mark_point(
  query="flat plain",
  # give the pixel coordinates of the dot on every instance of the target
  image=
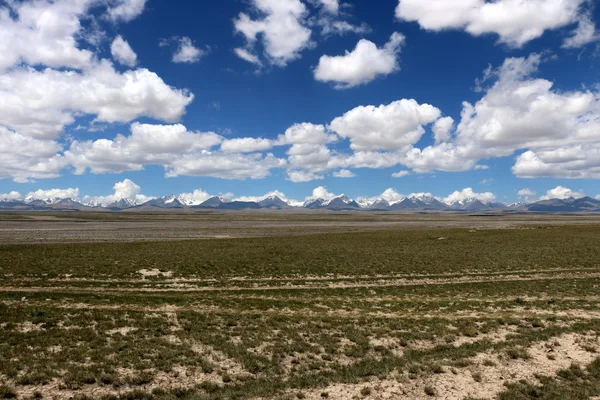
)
(285, 305)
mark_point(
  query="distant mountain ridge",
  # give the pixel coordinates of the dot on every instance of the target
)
(420, 202)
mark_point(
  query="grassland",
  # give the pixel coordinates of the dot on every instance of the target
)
(451, 312)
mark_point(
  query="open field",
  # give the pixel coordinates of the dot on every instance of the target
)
(295, 307)
(80, 227)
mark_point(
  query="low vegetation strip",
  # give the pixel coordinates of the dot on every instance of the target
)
(509, 314)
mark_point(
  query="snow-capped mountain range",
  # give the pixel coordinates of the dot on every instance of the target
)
(418, 202)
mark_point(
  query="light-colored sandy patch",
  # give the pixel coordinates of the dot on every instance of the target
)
(146, 273)
(179, 377)
(390, 343)
(172, 339)
(27, 327)
(494, 337)
(54, 349)
(219, 359)
(565, 350)
(123, 331)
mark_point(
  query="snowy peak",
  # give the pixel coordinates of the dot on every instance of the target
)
(273, 202)
(122, 204)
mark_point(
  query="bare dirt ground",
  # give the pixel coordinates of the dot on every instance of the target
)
(75, 227)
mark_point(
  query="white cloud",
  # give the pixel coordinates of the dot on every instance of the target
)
(364, 64)
(246, 55)
(41, 103)
(303, 176)
(10, 196)
(122, 52)
(516, 22)
(526, 192)
(468, 193)
(282, 29)
(126, 10)
(331, 26)
(330, 6)
(584, 34)
(246, 145)
(225, 166)
(306, 133)
(395, 126)
(344, 173)
(42, 33)
(186, 52)
(147, 144)
(392, 196)
(560, 130)
(23, 157)
(275, 193)
(442, 128)
(321, 192)
(561, 192)
(400, 174)
(72, 193)
(127, 189)
(196, 197)
(597, 197)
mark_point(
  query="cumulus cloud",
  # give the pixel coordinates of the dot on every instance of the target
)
(560, 130)
(186, 51)
(395, 126)
(70, 193)
(584, 34)
(125, 190)
(303, 176)
(42, 33)
(41, 103)
(362, 65)
(468, 193)
(246, 145)
(321, 192)
(390, 195)
(442, 128)
(275, 193)
(344, 173)
(400, 174)
(280, 28)
(122, 52)
(225, 166)
(307, 133)
(514, 21)
(248, 56)
(10, 196)
(126, 10)
(147, 144)
(23, 157)
(527, 192)
(561, 192)
(330, 6)
(198, 196)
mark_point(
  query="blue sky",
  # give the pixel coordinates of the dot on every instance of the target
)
(369, 96)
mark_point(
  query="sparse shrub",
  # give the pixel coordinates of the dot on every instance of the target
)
(477, 377)
(437, 369)
(430, 391)
(366, 391)
(7, 392)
